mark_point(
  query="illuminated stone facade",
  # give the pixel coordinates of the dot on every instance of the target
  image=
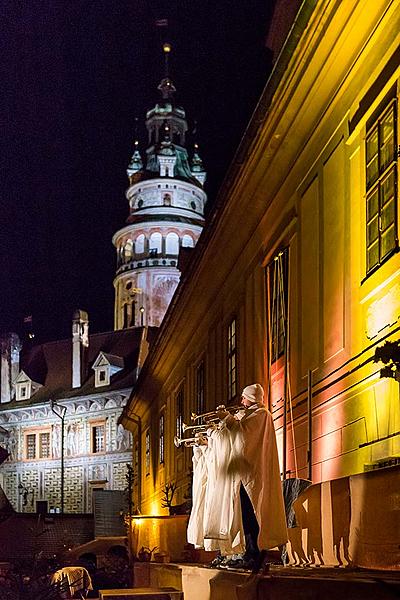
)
(166, 213)
(310, 286)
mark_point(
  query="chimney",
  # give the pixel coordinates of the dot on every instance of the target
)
(80, 341)
(10, 347)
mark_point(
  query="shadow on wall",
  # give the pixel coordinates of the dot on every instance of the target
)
(348, 522)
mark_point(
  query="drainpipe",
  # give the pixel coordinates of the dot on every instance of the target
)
(309, 416)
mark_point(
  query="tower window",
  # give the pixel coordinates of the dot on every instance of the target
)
(187, 241)
(381, 185)
(139, 244)
(155, 242)
(172, 243)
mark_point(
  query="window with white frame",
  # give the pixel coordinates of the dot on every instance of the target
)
(98, 438)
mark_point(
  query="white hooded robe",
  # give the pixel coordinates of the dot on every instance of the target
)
(254, 462)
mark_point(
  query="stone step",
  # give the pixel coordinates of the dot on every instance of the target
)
(143, 593)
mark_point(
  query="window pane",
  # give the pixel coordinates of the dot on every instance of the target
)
(372, 157)
(388, 188)
(372, 205)
(388, 241)
(179, 412)
(388, 215)
(44, 445)
(31, 446)
(277, 280)
(372, 172)
(373, 256)
(372, 145)
(232, 360)
(147, 452)
(387, 139)
(161, 440)
(372, 232)
(200, 397)
(98, 438)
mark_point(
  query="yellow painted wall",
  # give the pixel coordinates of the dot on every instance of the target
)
(302, 185)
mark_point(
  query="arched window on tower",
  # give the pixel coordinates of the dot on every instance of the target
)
(172, 244)
(125, 316)
(155, 243)
(128, 251)
(187, 241)
(139, 244)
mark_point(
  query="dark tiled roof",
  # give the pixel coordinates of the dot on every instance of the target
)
(50, 364)
(23, 535)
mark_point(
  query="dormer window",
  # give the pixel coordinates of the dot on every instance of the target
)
(25, 387)
(105, 366)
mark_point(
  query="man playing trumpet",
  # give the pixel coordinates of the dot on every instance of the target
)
(247, 497)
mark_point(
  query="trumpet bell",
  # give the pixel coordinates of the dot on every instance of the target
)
(199, 440)
(198, 428)
(212, 415)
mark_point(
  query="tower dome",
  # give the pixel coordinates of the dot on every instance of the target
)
(166, 212)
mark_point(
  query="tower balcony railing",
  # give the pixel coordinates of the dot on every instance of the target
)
(161, 260)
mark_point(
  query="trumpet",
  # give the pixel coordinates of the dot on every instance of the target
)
(200, 440)
(201, 428)
(212, 415)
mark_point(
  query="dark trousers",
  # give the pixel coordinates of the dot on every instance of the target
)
(250, 525)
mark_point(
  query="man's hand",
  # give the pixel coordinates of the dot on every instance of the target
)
(221, 412)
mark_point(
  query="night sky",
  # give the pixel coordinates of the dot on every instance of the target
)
(75, 74)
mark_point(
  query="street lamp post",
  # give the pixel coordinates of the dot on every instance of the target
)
(59, 410)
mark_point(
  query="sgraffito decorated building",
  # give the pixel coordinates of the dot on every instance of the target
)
(79, 385)
(303, 248)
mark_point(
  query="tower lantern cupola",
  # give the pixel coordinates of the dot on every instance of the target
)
(166, 212)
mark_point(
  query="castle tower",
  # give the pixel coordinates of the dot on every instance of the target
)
(166, 212)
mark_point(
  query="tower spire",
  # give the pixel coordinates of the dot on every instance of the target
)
(166, 86)
(167, 49)
(136, 163)
(166, 213)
